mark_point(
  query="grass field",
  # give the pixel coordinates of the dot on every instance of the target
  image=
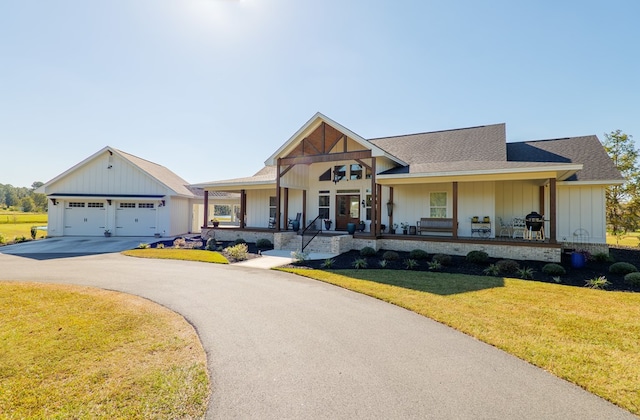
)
(79, 352)
(588, 337)
(16, 225)
(631, 239)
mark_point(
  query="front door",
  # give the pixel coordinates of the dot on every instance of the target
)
(347, 210)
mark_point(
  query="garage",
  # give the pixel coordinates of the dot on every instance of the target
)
(84, 218)
(135, 218)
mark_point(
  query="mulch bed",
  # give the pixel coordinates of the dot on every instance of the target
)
(573, 277)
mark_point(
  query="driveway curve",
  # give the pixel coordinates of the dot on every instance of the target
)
(282, 347)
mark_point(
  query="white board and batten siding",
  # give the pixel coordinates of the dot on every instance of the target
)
(581, 207)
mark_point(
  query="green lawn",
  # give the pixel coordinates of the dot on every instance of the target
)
(79, 352)
(16, 225)
(631, 239)
(588, 337)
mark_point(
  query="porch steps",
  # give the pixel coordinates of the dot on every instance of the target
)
(319, 244)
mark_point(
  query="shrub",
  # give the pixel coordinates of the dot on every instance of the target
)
(390, 255)
(160, 245)
(237, 252)
(299, 256)
(525, 273)
(557, 279)
(435, 265)
(492, 270)
(477, 257)
(632, 279)
(553, 269)
(34, 232)
(622, 268)
(239, 241)
(2, 239)
(144, 246)
(263, 243)
(19, 239)
(367, 251)
(382, 263)
(179, 243)
(359, 263)
(443, 259)
(212, 244)
(597, 282)
(328, 263)
(602, 257)
(410, 264)
(507, 266)
(418, 254)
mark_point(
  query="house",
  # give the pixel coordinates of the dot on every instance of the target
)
(116, 192)
(326, 171)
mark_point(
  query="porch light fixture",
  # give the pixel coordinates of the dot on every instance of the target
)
(108, 201)
(389, 208)
(364, 204)
(54, 201)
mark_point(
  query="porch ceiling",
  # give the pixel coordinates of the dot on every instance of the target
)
(559, 172)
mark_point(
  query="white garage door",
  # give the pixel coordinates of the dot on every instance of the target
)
(135, 219)
(84, 218)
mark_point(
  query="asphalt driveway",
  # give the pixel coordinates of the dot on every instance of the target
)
(73, 246)
(281, 346)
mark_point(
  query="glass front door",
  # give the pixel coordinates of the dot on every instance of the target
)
(347, 210)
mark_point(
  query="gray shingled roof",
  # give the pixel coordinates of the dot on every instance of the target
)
(159, 172)
(485, 143)
(587, 150)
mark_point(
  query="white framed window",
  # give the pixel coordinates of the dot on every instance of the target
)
(127, 205)
(74, 204)
(438, 204)
(145, 205)
(324, 202)
(95, 205)
(272, 206)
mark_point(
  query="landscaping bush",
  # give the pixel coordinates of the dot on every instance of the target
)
(367, 251)
(443, 259)
(359, 263)
(602, 257)
(418, 254)
(525, 273)
(143, 245)
(237, 252)
(239, 241)
(212, 244)
(622, 268)
(2, 239)
(492, 270)
(410, 264)
(328, 263)
(34, 232)
(160, 245)
(478, 257)
(597, 283)
(263, 243)
(553, 269)
(390, 256)
(179, 243)
(632, 279)
(507, 266)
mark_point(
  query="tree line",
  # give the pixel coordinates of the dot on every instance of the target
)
(22, 198)
(623, 201)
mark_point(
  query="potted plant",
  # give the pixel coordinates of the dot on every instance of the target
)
(405, 228)
(382, 228)
(107, 233)
(475, 219)
(486, 219)
(362, 226)
(327, 224)
(394, 227)
(215, 222)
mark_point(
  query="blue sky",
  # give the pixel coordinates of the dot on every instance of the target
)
(211, 88)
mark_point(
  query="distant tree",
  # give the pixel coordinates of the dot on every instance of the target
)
(36, 185)
(623, 201)
(27, 204)
(10, 196)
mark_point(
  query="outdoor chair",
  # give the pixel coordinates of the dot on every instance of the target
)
(504, 228)
(519, 225)
(297, 219)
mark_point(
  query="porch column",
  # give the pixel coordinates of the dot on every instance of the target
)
(206, 209)
(390, 216)
(455, 209)
(278, 195)
(378, 205)
(243, 207)
(552, 211)
(285, 218)
(374, 230)
(304, 209)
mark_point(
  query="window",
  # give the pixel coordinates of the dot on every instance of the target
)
(339, 173)
(368, 206)
(355, 171)
(272, 206)
(438, 204)
(127, 205)
(323, 206)
(95, 205)
(145, 205)
(76, 204)
(326, 176)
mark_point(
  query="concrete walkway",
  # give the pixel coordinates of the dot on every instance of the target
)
(281, 346)
(270, 259)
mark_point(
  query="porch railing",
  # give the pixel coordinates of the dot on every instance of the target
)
(310, 232)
